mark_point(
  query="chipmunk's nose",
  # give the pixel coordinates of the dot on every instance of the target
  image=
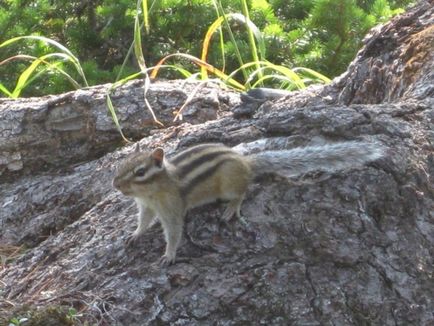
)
(121, 186)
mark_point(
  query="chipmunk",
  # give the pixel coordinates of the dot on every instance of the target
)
(168, 188)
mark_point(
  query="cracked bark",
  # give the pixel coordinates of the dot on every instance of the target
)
(354, 247)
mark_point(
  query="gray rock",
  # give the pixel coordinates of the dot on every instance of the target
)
(346, 248)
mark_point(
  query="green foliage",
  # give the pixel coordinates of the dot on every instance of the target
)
(323, 35)
(44, 316)
(339, 26)
(382, 11)
(34, 70)
(329, 38)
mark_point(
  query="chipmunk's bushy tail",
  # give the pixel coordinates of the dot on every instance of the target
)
(328, 157)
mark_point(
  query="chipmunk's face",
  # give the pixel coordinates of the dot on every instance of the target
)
(137, 171)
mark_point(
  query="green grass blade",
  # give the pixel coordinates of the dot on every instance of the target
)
(184, 72)
(25, 78)
(297, 81)
(145, 13)
(141, 61)
(284, 81)
(220, 74)
(138, 42)
(131, 48)
(27, 72)
(221, 38)
(5, 90)
(122, 81)
(316, 75)
(211, 30)
(252, 29)
(217, 24)
(232, 37)
(114, 116)
(51, 42)
(290, 75)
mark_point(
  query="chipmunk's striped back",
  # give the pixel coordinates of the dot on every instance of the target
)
(205, 165)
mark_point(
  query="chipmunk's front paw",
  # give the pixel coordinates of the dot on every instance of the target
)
(228, 214)
(132, 239)
(166, 260)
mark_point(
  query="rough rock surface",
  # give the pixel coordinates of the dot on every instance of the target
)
(57, 131)
(353, 247)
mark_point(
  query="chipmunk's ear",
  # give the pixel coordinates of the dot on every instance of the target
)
(137, 149)
(158, 156)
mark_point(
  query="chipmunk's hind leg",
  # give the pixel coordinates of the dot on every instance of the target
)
(233, 208)
(234, 184)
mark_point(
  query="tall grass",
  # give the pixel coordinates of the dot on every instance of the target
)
(254, 71)
(50, 62)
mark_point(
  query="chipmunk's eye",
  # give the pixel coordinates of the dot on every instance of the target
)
(140, 172)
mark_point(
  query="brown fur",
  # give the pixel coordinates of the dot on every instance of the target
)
(201, 174)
